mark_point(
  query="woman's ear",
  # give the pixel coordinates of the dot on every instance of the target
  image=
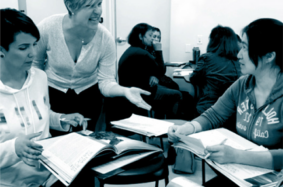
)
(68, 6)
(270, 57)
(140, 36)
(2, 55)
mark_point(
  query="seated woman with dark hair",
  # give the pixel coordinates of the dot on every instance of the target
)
(256, 99)
(139, 68)
(25, 114)
(216, 70)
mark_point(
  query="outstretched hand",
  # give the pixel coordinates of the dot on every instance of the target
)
(134, 96)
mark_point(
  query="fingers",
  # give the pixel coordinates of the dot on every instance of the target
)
(144, 92)
(35, 146)
(171, 134)
(144, 105)
(33, 135)
(214, 148)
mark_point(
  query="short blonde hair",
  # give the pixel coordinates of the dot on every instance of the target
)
(75, 4)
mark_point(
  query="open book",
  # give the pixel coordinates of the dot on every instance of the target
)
(242, 175)
(65, 156)
(143, 125)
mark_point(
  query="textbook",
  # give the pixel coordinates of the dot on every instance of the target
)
(242, 175)
(143, 125)
(65, 156)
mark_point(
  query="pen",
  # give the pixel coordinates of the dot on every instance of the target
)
(221, 143)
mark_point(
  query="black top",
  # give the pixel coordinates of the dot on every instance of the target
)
(213, 75)
(137, 65)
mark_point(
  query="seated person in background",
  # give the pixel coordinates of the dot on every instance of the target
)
(139, 68)
(78, 55)
(257, 100)
(163, 80)
(216, 70)
(25, 113)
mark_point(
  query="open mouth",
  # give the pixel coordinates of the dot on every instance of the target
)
(94, 19)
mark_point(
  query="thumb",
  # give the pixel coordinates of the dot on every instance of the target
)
(214, 148)
(144, 92)
(33, 135)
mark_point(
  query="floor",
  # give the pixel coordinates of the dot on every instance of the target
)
(196, 177)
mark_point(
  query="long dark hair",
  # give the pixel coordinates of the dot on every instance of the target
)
(223, 42)
(264, 36)
(141, 28)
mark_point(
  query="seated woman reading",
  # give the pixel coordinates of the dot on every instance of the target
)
(25, 114)
(257, 100)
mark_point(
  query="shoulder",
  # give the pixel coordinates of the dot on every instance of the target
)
(105, 33)
(49, 22)
(38, 74)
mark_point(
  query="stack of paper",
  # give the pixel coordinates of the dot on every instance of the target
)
(143, 125)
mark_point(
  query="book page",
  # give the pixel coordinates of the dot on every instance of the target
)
(120, 162)
(213, 137)
(144, 124)
(72, 152)
(127, 144)
(242, 171)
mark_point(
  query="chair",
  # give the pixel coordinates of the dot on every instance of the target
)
(143, 171)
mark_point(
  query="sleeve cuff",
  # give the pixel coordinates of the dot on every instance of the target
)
(277, 156)
(203, 121)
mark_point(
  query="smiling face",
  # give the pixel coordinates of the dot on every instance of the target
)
(147, 38)
(246, 64)
(21, 52)
(156, 36)
(89, 14)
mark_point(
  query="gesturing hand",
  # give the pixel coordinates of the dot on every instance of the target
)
(27, 150)
(134, 96)
(74, 119)
(153, 81)
(221, 153)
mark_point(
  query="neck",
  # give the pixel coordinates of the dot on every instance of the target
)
(266, 79)
(11, 76)
(76, 28)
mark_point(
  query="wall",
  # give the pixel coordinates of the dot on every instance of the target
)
(40, 9)
(190, 18)
(9, 4)
(154, 12)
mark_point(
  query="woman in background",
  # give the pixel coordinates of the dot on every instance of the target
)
(78, 55)
(139, 68)
(25, 114)
(256, 99)
(216, 70)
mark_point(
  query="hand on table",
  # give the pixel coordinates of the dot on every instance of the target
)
(134, 96)
(185, 129)
(27, 150)
(153, 81)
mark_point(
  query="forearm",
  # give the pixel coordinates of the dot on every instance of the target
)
(117, 91)
(254, 158)
(160, 62)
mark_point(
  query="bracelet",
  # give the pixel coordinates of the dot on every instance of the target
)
(194, 131)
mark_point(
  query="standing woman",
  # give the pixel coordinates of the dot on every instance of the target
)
(78, 55)
(256, 99)
(25, 114)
